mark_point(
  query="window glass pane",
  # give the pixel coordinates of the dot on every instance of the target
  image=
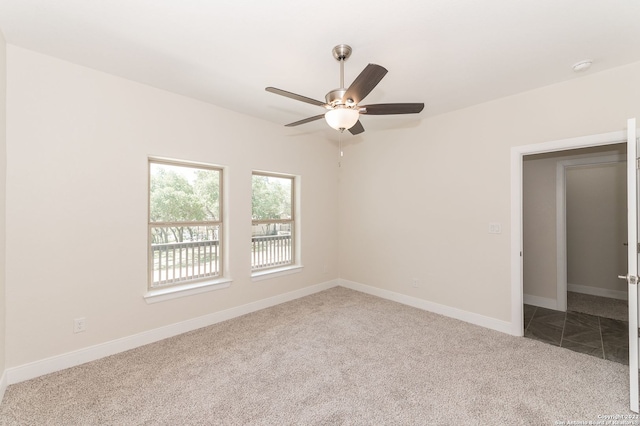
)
(181, 253)
(186, 247)
(271, 197)
(183, 194)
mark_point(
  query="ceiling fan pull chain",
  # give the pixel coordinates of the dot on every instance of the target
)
(340, 153)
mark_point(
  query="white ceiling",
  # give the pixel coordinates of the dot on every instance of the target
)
(448, 54)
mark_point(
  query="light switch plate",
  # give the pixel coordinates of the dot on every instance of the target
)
(495, 228)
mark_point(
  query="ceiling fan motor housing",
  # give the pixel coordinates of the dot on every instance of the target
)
(334, 97)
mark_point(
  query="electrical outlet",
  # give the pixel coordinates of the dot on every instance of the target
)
(79, 325)
(415, 282)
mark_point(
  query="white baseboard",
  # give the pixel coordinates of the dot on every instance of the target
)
(470, 317)
(542, 302)
(92, 353)
(596, 291)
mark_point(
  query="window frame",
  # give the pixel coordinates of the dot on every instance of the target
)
(191, 285)
(294, 265)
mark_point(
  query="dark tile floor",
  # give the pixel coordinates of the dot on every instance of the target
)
(597, 336)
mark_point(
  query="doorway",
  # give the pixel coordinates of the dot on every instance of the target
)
(574, 213)
(517, 155)
(574, 227)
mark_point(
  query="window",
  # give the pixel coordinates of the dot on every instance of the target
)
(185, 223)
(273, 225)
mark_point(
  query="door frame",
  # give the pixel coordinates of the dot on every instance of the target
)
(632, 261)
(561, 216)
(517, 154)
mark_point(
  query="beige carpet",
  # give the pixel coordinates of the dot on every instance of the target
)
(599, 306)
(337, 357)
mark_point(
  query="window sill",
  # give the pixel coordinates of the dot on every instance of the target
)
(162, 294)
(276, 272)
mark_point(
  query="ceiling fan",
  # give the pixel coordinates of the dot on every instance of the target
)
(343, 111)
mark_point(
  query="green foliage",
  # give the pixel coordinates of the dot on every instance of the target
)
(270, 198)
(182, 194)
(173, 199)
(207, 188)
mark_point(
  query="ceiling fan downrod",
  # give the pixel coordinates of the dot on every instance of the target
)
(342, 52)
(334, 98)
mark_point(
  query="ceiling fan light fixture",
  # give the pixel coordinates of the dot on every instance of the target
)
(342, 118)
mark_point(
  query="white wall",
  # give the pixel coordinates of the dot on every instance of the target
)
(77, 143)
(539, 237)
(3, 169)
(416, 202)
(597, 227)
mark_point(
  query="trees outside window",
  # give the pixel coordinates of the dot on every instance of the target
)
(273, 220)
(185, 222)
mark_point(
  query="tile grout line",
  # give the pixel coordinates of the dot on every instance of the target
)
(601, 338)
(564, 324)
(531, 319)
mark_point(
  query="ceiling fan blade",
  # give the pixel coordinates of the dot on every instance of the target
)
(357, 128)
(294, 96)
(385, 109)
(306, 120)
(364, 83)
